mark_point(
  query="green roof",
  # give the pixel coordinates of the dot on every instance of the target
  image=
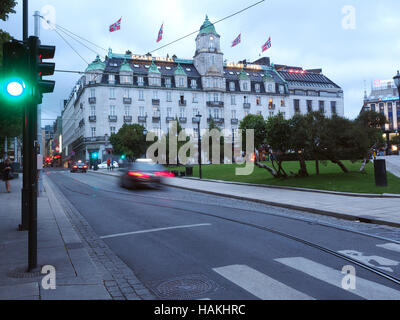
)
(97, 64)
(179, 71)
(243, 75)
(268, 77)
(125, 67)
(153, 68)
(207, 27)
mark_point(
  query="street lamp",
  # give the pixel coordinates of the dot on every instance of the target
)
(198, 116)
(396, 79)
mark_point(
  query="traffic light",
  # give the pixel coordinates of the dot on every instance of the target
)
(95, 155)
(15, 82)
(123, 157)
(39, 69)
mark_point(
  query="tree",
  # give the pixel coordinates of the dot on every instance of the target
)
(299, 141)
(256, 123)
(130, 140)
(213, 126)
(395, 140)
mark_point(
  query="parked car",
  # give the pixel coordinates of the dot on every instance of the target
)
(79, 167)
(103, 165)
(144, 173)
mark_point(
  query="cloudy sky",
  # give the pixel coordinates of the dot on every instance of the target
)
(306, 33)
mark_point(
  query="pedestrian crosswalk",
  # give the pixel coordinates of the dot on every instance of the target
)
(390, 246)
(265, 287)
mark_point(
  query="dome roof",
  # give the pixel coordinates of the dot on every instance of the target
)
(179, 71)
(153, 68)
(97, 64)
(125, 67)
(207, 27)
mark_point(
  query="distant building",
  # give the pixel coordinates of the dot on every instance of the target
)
(152, 91)
(384, 98)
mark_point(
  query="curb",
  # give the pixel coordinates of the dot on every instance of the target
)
(287, 206)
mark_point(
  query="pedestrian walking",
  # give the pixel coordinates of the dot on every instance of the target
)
(7, 174)
(108, 164)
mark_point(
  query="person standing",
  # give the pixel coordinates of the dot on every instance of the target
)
(108, 164)
(7, 175)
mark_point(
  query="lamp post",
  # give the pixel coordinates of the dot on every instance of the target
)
(396, 79)
(199, 142)
(233, 145)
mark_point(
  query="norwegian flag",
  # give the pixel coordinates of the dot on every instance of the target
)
(116, 26)
(266, 45)
(160, 33)
(237, 40)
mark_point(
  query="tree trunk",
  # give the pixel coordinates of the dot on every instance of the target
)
(317, 165)
(303, 167)
(365, 162)
(341, 165)
(269, 169)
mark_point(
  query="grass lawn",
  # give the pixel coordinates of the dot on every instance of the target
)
(331, 177)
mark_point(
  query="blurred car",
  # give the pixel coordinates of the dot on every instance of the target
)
(144, 173)
(103, 165)
(79, 167)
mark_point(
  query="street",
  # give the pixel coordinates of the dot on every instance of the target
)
(188, 245)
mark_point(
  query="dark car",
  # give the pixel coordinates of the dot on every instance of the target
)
(144, 173)
(79, 167)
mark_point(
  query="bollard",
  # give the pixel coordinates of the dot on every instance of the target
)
(380, 173)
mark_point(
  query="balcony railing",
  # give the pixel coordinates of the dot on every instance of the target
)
(169, 119)
(92, 118)
(127, 118)
(272, 107)
(219, 104)
(155, 102)
(112, 118)
(92, 100)
(182, 103)
(127, 100)
(247, 105)
(195, 120)
(182, 119)
(216, 120)
(142, 119)
(156, 117)
(234, 121)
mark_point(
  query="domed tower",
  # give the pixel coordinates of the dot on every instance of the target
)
(208, 58)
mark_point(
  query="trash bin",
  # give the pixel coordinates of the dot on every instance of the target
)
(189, 171)
(380, 173)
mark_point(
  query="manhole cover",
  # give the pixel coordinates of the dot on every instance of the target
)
(21, 273)
(185, 287)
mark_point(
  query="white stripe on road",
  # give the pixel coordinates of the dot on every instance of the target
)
(390, 246)
(259, 284)
(154, 230)
(364, 288)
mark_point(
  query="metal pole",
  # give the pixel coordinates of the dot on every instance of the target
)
(25, 159)
(199, 147)
(233, 145)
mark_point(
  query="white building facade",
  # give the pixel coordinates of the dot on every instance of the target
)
(153, 91)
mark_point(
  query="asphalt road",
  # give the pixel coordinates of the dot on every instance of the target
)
(188, 245)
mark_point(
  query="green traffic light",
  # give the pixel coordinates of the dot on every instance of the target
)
(123, 157)
(15, 88)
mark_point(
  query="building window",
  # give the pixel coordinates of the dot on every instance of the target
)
(231, 86)
(127, 111)
(382, 108)
(141, 95)
(92, 93)
(216, 97)
(195, 112)
(283, 104)
(112, 93)
(193, 84)
(309, 106)
(233, 112)
(233, 100)
(258, 101)
(373, 107)
(246, 99)
(112, 110)
(281, 89)
(111, 79)
(126, 93)
(93, 132)
(245, 87)
(216, 113)
(322, 106)
(270, 103)
(112, 130)
(140, 81)
(168, 82)
(333, 107)
(271, 113)
(270, 88)
(169, 99)
(182, 112)
(181, 82)
(125, 79)
(141, 111)
(257, 87)
(93, 111)
(296, 105)
(195, 98)
(169, 112)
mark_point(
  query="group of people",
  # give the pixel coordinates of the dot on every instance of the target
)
(7, 174)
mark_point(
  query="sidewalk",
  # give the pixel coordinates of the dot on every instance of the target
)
(79, 262)
(392, 164)
(374, 209)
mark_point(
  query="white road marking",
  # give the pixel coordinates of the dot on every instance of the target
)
(390, 246)
(364, 288)
(154, 230)
(259, 284)
(372, 261)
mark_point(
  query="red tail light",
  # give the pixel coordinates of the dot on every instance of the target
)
(75, 167)
(138, 175)
(165, 174)
(84, 167)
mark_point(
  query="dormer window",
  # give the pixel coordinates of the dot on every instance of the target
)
(168, 82)
(270, 88)
(257, 87)
(193, 84)
(111, 79)
(231, 86)
(181, 82)
(140, 81)
(245, 86)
